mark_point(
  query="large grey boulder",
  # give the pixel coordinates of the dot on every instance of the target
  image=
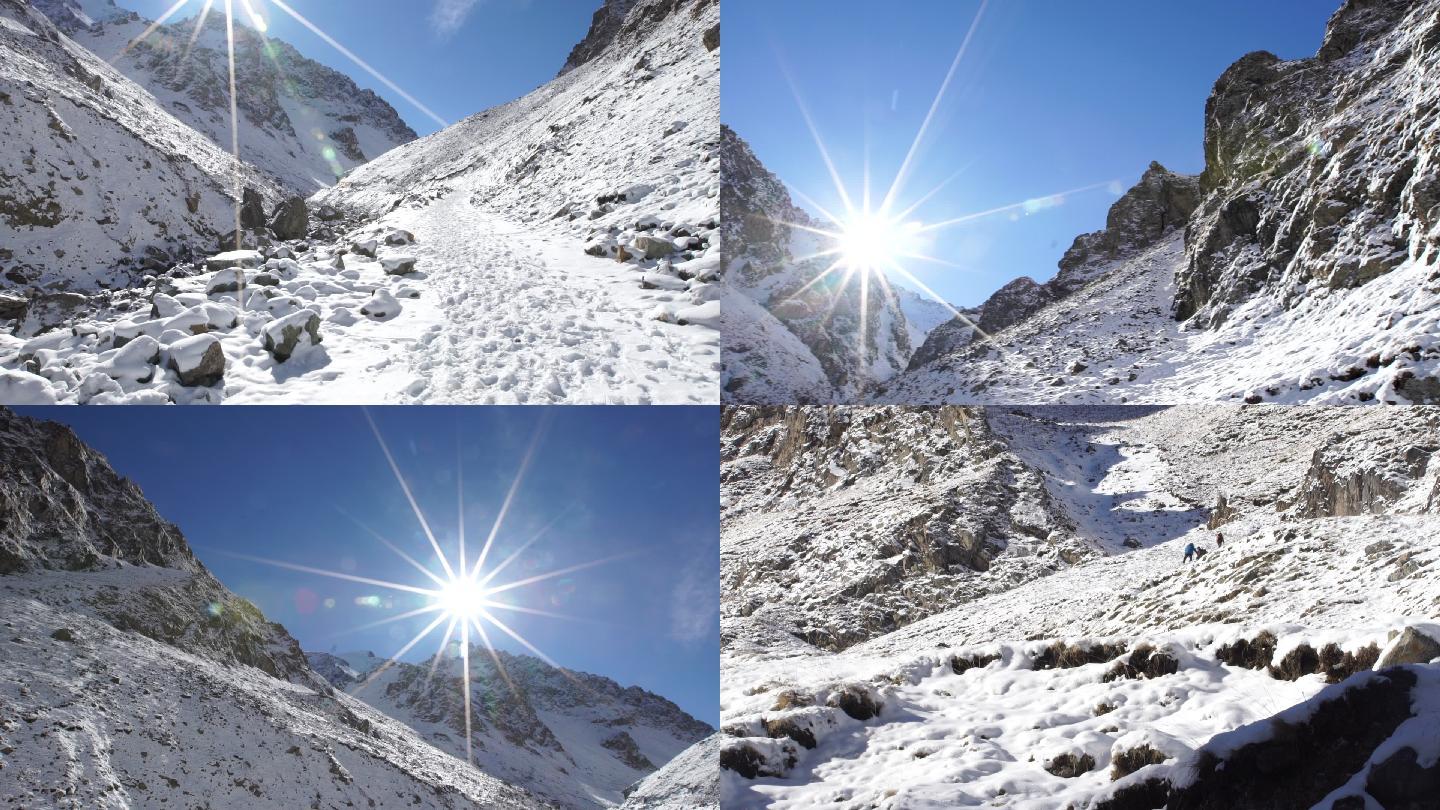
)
(291, 219)
(252, 210)
(1412, 647)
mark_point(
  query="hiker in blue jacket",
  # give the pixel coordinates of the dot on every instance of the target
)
(1189, 552)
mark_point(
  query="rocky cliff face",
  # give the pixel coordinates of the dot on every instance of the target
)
(303, 124)
(606, 23)
(63, 508)
(1319, 170)
(789, 338)
(568, 736)
(1316, 222)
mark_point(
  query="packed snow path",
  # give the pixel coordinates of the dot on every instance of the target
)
(529, 318)
(479, 310)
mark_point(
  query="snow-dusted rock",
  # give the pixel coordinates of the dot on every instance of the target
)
(285, 336)
(398, 265)
(364, 247)
(399, 237)
(233, 260)
(135, 362)
(198, 361)
(381, 305)
(23, 388)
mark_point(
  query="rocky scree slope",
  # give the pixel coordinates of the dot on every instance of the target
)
(787, 339)
(1129, 676)
(131, 677)
(1306, 273)
(576, 739)
(303, 124)
(101, 184)
(843, 524)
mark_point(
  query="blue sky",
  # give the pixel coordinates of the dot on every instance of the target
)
(1051, 96)
(456, 57)
(271, 482)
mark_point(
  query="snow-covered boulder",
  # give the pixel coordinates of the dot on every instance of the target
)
(226, 281)
(399, 237)
(381, 305)
(23, 388)
(287, 335)
(653, 247)
(364, 248)
(398, 265)
(135, 362)
(660, 281)
(198, 361)
(706, 314)
(234, 259)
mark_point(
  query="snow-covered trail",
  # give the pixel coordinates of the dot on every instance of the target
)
(529, 318)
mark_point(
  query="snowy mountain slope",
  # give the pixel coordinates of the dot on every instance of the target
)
(108, 184)
(854, 335)
(1306, 273)
(1041, 693)
(131, 677)
(690, 781)
(576, 739)
(923, 314)
(615, 159)
(303, 124)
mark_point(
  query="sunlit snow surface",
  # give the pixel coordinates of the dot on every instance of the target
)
(983, 737)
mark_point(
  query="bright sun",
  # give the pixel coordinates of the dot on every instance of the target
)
(461, 598)
(872, 243)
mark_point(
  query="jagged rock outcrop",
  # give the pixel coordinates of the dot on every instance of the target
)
(62, 507)
(1368, 471)
(789, 338)
(606, 23)
(1159, 204)
(1318, 169)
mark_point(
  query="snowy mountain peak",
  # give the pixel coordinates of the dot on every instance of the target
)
(305, 124)
(607, 22)
(569, 736)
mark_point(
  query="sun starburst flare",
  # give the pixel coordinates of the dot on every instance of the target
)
(870, 244)
(255, 13)
(466, 596)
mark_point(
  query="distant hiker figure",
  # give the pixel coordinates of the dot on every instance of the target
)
(1199, 554)
(1219, 540)
(1189, 552)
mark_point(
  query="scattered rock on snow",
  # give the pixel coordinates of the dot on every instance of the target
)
(399, 237)
(198, 361)
(398, 265)
(381, 305)
(364, 248)
(284, 336)
(1412, 647)
(234, 259)
(653, 247)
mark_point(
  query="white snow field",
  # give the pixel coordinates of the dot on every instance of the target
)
(1068, 682)
(565, 247)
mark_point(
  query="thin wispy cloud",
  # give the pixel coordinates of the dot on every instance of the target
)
(449, 15)
(695, 602)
